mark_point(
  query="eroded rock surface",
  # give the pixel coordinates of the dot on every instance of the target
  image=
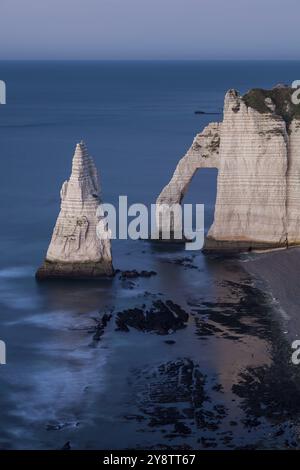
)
(75, 251)
(256, 151)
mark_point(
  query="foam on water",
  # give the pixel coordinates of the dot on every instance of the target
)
(55, 372)
(17, 272)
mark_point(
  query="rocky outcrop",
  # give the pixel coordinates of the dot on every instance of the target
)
(162, 318)
(256, 151)
(75, 251)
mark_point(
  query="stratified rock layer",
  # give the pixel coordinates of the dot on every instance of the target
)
(75, 251)
(256, 151)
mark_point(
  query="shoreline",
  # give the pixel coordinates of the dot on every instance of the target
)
(279, 272)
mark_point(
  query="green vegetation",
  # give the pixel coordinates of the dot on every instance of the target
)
(280, 96)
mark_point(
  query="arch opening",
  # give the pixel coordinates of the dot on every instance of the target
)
(202, 189)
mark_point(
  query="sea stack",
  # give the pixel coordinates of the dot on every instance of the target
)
(75, 251)
(256, 149)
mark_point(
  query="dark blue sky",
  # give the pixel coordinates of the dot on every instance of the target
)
(149, 29)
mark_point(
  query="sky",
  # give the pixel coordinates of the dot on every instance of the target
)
(149, 29)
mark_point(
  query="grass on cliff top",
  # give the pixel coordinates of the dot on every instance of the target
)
(281, 97)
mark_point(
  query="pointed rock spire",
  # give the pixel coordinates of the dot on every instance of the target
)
(75, 251)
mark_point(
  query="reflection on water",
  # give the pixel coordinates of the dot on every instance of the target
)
(190, 388)
(214, 383)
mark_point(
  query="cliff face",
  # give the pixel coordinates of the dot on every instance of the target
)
(75, 250)
(293, 184)
(257, 154)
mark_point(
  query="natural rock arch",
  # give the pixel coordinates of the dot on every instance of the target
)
(256, 149)
(204, 153)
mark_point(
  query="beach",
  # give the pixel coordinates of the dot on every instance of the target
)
(104, 365)
(279, 272)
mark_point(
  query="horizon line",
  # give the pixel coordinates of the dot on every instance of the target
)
(149, 60)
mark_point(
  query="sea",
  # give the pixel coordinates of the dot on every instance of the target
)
(223, 380)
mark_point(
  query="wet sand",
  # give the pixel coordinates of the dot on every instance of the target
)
(280, 272)
(191, 358)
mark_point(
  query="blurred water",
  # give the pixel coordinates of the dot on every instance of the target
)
(137, 120)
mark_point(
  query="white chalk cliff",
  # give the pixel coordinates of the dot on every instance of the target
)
(75, 250)
(256, 149)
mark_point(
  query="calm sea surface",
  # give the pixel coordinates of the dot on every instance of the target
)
(218, 382)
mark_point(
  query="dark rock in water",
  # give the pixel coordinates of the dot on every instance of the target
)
(181, 428)
(105, 319)
(100, 326)
(162, 318)
(218, 388)
(181, 314)
(67, 446)
(207, 443)
(174, 398)
(280, 432)
(128, 285)
(134, 274)
(170, 341)
(232, 319)
(186, 262)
